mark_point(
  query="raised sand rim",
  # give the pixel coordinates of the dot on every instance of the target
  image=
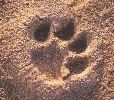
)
(56, 50)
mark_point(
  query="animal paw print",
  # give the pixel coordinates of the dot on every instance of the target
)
(50, 56)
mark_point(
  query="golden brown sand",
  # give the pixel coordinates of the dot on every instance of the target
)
(56, 50)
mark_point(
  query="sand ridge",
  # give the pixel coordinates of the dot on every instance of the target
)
(26, 75)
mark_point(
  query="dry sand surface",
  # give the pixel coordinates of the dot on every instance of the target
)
(56, 50)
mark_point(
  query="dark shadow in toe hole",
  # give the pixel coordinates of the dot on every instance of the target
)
(66, 31)
(77, 65)
(42, 32)
(79, 44)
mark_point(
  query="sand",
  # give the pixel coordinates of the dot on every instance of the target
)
(56, 50)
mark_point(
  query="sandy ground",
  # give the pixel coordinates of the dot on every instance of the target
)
(56, 50)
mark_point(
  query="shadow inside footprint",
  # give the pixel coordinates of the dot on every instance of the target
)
(77, 65)
(39, 29)
(65, 30)
(9, 88)
(79, 44)
(48, 59)
(42, 32)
